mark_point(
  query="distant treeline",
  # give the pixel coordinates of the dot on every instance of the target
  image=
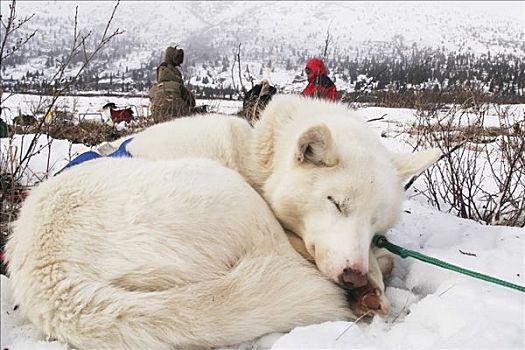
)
(500, 73)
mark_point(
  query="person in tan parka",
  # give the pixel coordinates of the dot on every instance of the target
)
(169, 97)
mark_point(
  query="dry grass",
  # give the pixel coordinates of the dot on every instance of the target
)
(88, 133)
(472, 133)
(430, 99)
(481, 175)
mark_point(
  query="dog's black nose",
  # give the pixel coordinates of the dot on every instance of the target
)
(353, 278)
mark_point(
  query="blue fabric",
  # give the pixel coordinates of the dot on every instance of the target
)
(122, 152)
(84, 157)
(90, 155)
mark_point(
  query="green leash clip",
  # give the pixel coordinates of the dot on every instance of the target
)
(381, 242)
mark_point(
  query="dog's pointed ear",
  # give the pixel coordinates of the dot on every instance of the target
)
(410, 164)
(315, 147)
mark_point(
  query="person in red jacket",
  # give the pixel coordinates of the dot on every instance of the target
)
(319, 85)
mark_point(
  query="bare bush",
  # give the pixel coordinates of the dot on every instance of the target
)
(16, 175)
(425, 98)
(482, 172)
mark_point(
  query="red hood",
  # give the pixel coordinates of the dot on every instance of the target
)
(318, 68)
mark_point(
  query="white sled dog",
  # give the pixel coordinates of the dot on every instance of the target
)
(186, 254)
(324, 173)
(168, 255)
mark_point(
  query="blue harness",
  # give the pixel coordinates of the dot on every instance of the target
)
(90, 155)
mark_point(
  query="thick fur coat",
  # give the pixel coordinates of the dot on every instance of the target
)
(188, 253)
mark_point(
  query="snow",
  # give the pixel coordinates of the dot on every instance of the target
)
(16, 104)
(17, 332)
(430, 307)
(46, 158)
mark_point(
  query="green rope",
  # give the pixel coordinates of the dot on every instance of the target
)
(382, 242)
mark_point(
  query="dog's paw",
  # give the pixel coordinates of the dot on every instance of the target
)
(368, 300)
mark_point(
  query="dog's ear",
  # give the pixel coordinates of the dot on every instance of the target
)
(315, 147)
(410, 164)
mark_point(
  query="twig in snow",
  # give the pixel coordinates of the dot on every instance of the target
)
(376, 119)
(400, 312)
(466, 253)
(351, 324)
(449, 288)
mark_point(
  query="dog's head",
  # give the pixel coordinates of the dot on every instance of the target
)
(334, 184)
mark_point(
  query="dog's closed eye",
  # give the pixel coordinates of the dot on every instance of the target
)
(334, 202)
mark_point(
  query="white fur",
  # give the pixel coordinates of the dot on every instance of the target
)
(138, 254)
(225, 139)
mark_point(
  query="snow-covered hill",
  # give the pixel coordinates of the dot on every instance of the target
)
(477, 26)
(274, 36)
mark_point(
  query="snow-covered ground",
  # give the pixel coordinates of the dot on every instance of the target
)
(47, 157)
(430, 307)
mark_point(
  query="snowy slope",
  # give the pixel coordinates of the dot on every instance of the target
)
(159, 22)
(274, 31)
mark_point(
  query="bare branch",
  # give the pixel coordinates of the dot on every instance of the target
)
(77, 44)
(243, 89)
(481, 174)
(376, 119)
(9, 28)
(327, 41)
